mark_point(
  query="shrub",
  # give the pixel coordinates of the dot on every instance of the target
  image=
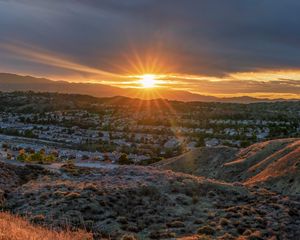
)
(149, 191)
(38, 218)
(91, 187)
(122, 220)
(70, 167)
(211, 194)
(128, 237)
(73, 195)
(224, 222)
(247, 232)
(203, 237)
(206, 230)
(198, 221)
(195, 199)
(124, 160)
(228, 236)
(175, 224)
(257, 235)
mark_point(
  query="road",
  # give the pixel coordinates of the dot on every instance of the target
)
(56, 166)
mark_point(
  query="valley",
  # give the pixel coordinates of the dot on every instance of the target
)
(130, 169)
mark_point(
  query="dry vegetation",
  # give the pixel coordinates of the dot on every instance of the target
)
(154, 204)
(273, 164)
(16, 228)
(200, 161)
(131, 202)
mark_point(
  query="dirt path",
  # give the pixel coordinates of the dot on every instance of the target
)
(55, 167)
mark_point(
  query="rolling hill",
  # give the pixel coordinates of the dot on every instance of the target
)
(274, 164)
(200, 161)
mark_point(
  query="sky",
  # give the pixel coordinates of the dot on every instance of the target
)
(211, 47)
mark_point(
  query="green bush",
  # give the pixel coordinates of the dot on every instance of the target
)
(38, 158)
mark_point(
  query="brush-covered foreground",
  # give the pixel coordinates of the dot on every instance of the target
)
(148, 203)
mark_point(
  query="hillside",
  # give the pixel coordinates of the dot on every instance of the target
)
(200, 161)
(149, 204)
(274, 164)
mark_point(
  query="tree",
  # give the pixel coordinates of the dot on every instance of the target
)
(29, 134)
(124, 160)
(245, 143)
(22, 157)
(49, 159)
(35, 158)
(200, 141)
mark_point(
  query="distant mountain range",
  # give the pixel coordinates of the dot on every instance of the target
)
(12, 82)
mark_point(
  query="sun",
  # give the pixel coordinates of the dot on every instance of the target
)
(148, 81)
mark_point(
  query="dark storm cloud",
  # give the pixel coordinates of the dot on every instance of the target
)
(202, 36)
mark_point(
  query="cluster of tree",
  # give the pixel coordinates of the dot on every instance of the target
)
(15, 132)
(39, 157)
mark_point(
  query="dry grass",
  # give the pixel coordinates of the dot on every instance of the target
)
(16, 228)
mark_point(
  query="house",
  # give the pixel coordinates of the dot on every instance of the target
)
(212, 142)
(172, 143)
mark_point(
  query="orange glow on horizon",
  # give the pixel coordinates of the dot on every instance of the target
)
(154, 70)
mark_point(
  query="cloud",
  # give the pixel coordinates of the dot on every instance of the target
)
(40, 56)
(210, 38)
(243, 87)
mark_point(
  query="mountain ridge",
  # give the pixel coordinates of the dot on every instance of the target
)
(13, 82)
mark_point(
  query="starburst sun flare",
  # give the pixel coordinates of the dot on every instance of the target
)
(148, 81)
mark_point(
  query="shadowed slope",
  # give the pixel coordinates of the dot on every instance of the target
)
(274, 164)
(201, 161)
